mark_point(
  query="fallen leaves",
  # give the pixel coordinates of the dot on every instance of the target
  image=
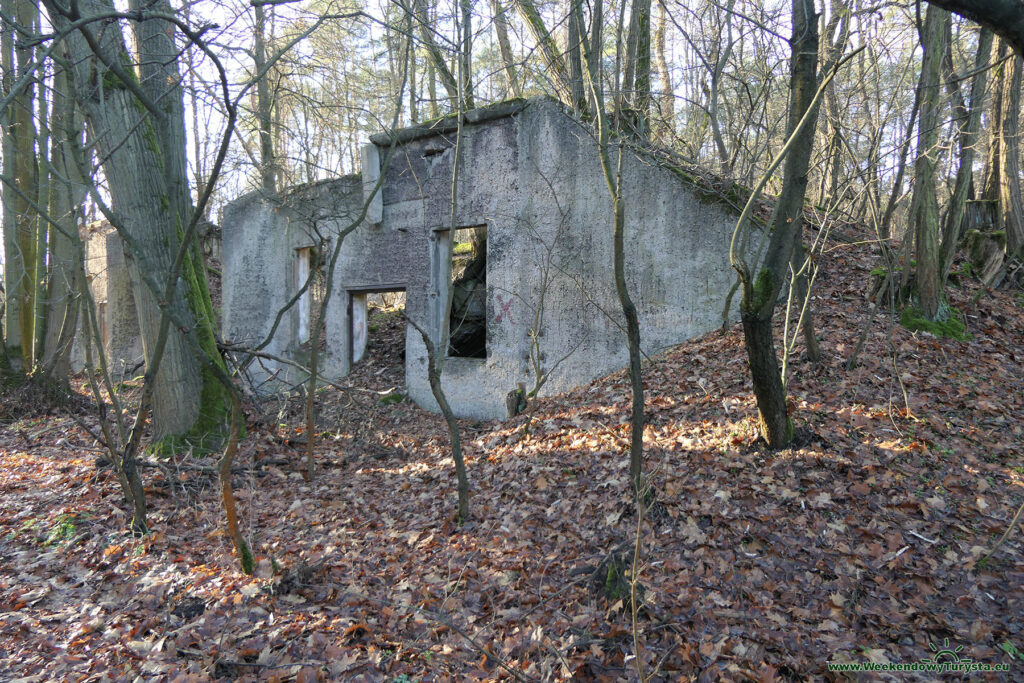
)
(863, 542)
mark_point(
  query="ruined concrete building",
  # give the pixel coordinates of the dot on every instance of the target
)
(107, 276)
(528, 190)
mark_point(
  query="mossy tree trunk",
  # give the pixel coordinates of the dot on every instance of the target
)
(760, 295)
(138, 128)
(20, 166)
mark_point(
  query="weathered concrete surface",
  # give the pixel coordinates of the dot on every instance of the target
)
(262, 239)
(532, 175)
(110, 286)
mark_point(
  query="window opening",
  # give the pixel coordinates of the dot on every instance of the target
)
(467, 321)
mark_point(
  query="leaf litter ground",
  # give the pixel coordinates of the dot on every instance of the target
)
(862, 543)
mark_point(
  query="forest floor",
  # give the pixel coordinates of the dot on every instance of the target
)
(863, 543)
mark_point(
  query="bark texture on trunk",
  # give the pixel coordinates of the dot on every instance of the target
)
(969, 128)
(1010, 199)
(553, 59)
(508, 63)
(666, 103)
(264, 106)
(773, 417)
(66, 196)
(26, 177)
(925, 206)
(12, 256)
(137, 124)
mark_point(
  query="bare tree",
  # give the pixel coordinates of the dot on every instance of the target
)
(613, 181)
(925, 209)
(760, 292)
(138, 129)
(970, 125)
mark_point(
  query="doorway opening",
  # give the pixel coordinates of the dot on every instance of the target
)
(377, 331)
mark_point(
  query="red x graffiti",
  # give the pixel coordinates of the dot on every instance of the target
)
(504, 309)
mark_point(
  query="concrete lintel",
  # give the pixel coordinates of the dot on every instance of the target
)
(371, 174)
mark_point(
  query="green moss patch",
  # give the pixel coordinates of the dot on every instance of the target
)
(947, 325)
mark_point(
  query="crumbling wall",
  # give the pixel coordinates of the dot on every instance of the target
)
(531, 175)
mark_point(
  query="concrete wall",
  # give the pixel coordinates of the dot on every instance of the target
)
(261, 240)
(532, 175)
(111, 291)
(534, 178)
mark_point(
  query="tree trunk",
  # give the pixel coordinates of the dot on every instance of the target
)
(138, 129)
(434, 378)
(637, 79)
(12, 256)
(759, 296)
(667, 102)
(613, 181)
(26, 177)
(993, 163)
(466, 56)
(772, 413)
(924, 216)
(553, 60)
(66, 196)
(724, 159)
(40, 274)
(1010, 201)
(969, 128)
(636, 421)
(264, 106)
(642, 77)
(161, 81)
(508, 62)
(885, 227)
(413, 91)
(439, 67)
(574, 55)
